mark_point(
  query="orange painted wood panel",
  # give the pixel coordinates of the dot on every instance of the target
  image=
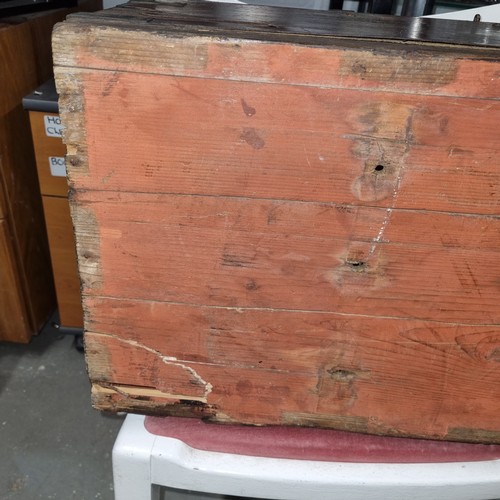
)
(338, 366)
(281, 228)
(219, 335)
(252, 253)
(276, 141)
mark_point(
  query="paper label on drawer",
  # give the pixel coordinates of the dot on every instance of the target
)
(53, 127)
(57, 166)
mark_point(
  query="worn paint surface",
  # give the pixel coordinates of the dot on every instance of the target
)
(285, 233)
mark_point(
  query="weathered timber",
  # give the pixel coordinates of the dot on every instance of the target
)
(293, 220)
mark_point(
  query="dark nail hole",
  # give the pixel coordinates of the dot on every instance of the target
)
(357, 265)
(379, 168)
(341, 375)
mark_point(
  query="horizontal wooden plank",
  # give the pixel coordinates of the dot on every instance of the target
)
(389, 376)
(296, 256)
(283, 219)
(190, 52)
(283, 142)
(260, 339)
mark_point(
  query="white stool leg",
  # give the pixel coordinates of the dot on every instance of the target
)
(131, 461)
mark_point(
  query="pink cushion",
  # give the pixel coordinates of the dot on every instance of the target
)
(315, 444)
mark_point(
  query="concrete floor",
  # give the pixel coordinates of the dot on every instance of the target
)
(53, 445)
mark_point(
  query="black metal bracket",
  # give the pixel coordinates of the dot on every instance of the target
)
(70, 330)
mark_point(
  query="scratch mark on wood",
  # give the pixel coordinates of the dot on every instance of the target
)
(380, 236)
(387, 219)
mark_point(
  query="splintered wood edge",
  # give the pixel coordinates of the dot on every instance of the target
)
(87, 46)
(87, 246)
(135, 392)
(72, 113)
(148, 401)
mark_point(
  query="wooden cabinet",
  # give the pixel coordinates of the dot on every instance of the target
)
(26, 288)
(288, 221)
(50, 161)
(13, 316)
(27, 297)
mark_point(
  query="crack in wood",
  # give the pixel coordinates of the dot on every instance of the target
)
(168, 360)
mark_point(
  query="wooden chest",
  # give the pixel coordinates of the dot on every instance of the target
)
(286, 217)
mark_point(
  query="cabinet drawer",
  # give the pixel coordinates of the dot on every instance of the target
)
(50, 152)
(63, 256)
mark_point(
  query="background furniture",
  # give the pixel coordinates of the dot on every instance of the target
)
(26, 286)
(50, 152)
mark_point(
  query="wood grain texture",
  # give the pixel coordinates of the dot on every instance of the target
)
(413, 66)
(332, 141)
(290, 255)
(278, 228)
(63, 258)
(356, 366)
(13, 315)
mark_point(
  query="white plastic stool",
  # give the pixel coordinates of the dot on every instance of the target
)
(143, 461)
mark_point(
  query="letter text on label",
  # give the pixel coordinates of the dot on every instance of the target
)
(53, 127)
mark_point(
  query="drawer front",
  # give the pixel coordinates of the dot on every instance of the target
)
(63, 256)
(50, 152)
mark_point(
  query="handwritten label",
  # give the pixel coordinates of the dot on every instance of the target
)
(53, 127)
(57, 166)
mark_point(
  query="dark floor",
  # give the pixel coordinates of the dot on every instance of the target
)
(53, 445)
